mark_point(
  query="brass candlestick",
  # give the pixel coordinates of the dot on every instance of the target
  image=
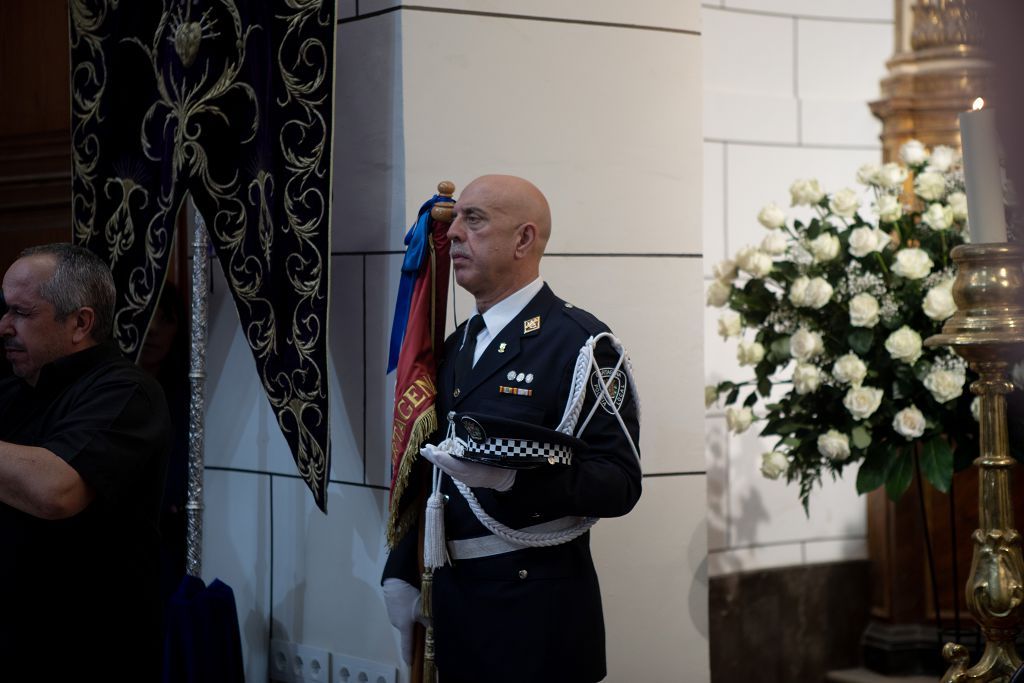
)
(988, 332)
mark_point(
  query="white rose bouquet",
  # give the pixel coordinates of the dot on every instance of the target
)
(834, 311)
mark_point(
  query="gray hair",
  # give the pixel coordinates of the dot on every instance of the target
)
(80, 279)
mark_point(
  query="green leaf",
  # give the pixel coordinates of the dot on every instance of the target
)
(937, 463)
(733, 395)
(901, 471)
(871, 474)
(764, 386)
(779, 350)
(860, 341)
(750, 400)
(861, 437)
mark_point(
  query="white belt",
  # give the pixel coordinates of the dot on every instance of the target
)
(486, 546)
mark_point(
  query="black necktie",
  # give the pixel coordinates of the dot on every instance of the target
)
(464, 359)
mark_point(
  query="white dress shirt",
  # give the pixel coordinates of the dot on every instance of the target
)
(502, 313)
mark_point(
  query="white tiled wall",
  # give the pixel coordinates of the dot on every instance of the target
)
(597, 101)
(786, 89)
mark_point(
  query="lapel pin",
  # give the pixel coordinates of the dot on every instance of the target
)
(531, 325)
(501, 347)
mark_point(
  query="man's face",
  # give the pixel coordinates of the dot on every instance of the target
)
(30, 334)
(483, 239)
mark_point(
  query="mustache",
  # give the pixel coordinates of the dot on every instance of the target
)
(13, 346)
(457, 251)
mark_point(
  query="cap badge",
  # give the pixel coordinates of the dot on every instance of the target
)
(474, 429)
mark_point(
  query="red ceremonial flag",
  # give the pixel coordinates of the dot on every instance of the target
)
(415, 418)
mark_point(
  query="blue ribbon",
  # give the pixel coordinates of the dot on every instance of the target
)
(416, 241)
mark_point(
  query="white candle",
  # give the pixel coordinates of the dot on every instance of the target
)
(983, 178)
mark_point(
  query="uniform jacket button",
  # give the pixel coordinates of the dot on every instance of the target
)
(523, 573)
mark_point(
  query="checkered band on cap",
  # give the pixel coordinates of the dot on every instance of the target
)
(516, 449)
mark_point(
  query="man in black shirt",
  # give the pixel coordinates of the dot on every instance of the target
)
(83, 449)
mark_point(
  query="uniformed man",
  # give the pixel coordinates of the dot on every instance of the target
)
(512, 610)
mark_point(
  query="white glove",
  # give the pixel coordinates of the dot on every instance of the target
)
(403, 604)
(473, 475)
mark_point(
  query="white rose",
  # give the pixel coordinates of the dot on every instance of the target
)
(724, 270)
(945, 385)
(738, 419)
(834, 445)
(819, 293)
(806, 378)
(805, 345)
(849, 369)
(749, 353)
(774, 243)
(958, 203)
(909, 423)
(913, 153)
(760, 264)
(904, 345)
(930, 186)
(941, 159)
(938, 216)
(771, 217)
(755, 262)
(867, 174)
(889, 208)
(798, 291)
(774, 464)
(729, 324)
(912, 263)
(710, 395)
(864, 310)
(938, 302)
(862, 402)
(892, 176)
(844, 203)
(824, 247)
(864, 241)
(805, 192)
(976, 408)
(718, 293)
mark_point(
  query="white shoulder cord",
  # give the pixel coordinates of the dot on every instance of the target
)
(585, 363)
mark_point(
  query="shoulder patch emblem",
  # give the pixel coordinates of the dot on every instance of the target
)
(617, 385)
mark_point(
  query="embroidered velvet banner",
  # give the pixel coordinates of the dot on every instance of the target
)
(229, 101)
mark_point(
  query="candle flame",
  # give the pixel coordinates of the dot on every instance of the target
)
(978, 104)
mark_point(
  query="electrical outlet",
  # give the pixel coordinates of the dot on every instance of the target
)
(298, 663)
(349, 669)
(311, 665)
(282, 653)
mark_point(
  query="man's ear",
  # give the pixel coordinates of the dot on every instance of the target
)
(84, 319)
(527, 239)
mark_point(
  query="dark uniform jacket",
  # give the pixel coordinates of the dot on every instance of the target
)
(532, 614)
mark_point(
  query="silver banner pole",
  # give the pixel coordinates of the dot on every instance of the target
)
(197, 394)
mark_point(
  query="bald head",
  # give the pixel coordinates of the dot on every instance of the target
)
(502, 224)
(520, 200)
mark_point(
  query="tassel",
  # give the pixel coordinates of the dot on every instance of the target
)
(427, 595)
(429, 668)
(435, 550)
